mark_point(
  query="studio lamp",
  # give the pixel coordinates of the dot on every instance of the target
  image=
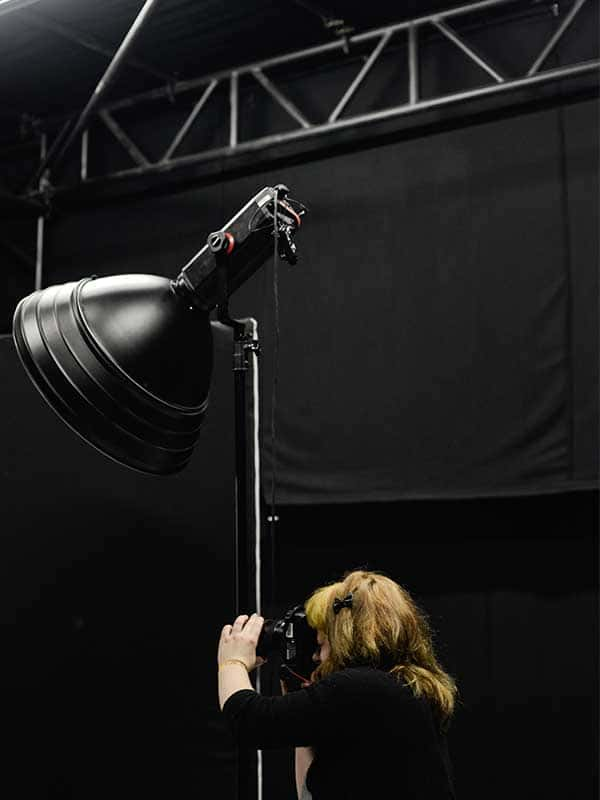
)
(126, 360)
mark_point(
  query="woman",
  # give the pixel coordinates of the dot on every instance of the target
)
(372, 722)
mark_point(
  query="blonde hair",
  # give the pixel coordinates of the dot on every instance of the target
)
(384, 628)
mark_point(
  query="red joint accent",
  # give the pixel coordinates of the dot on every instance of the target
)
(292, 212)
(231, 241)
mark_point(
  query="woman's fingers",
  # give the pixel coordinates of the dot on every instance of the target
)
(225, 633)
(250, 626)
(240, 639)
(254, 626)
(239, 622)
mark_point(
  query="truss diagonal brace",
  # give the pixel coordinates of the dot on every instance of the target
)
(120, 135)
(183, 131)
(283, 101)
(454, 37)
(360, 77)
(555, 37)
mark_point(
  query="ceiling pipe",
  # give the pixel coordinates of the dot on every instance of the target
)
(54, 158)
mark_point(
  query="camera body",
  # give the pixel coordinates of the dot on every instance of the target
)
(294, 641)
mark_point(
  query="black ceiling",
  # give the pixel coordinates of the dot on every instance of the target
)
(45, 73)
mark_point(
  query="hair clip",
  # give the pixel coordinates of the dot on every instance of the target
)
(345, 603)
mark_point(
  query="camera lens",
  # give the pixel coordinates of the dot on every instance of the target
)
(270, 638)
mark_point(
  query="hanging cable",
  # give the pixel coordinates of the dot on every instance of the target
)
(274, 376)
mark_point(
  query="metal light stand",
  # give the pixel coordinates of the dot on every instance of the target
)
(247, 510)
(247, 485)
(247, 507)
(245, 353)
(229, 257)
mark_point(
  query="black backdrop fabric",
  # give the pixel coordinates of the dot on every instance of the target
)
(510, 586)
(437, 337)
(114, 588)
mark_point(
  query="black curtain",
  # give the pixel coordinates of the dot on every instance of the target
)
(437, 337)
(114, 588)
(510, 586)
(436, 349)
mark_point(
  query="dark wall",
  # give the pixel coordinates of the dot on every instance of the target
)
(17, 261)
(511, 589)
(438, 337)
(114, 588)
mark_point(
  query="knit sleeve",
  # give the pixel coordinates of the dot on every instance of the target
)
(297, 719)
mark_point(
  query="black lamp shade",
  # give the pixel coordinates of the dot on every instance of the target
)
(125, 361)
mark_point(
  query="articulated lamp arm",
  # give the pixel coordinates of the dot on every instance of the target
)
(234, 253)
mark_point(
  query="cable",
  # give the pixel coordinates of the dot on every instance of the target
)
(275, 353)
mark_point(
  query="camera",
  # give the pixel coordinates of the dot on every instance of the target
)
(294, 641)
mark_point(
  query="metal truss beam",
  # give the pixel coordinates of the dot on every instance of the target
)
(56, 154)
(41, 224)
(555, 37)
(120, 135)
(531, 77)
(7, 6)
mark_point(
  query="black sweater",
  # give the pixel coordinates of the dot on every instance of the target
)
(371, 736)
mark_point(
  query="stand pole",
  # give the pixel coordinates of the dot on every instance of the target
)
(247, 522)
(247, 508)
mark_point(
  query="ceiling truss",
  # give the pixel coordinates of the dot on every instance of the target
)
(408, 33)
(36, 200)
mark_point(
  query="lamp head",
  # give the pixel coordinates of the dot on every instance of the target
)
(125, 361)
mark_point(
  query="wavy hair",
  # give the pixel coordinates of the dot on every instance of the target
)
(384, 628)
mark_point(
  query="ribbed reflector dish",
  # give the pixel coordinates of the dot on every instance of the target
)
(125, 362)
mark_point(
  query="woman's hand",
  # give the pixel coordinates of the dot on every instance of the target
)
(238, 641)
